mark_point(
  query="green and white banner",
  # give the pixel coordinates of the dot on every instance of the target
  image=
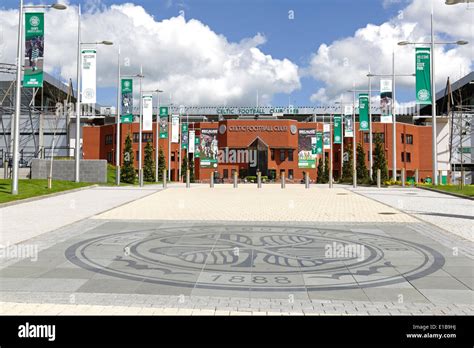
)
(192, 144)
(34, 50)
(337, 130)
(386, 96)
(319, 143)
(307, 148)
(364, 112)
(209, 148)
(197, 147)
(184, 136)
(348, 124)
(147, 102)
(127, 101)
(163, 122)
(326, 136)
(175, 129)
(423, 78)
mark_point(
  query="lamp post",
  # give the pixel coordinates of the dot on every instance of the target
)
(16, 120)
(117, 135)
(432, 44)
(394, 117)
(78, 99)
(157, 149)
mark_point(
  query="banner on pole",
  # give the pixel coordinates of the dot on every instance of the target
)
(326, 136)
(348, 124)
(337, 130)
(423, 76)
(307, 148)
(209, 148)
(88, 82)
(175, 129)
(34, 50)
(364, 112)
(163, 122)
(197, 147)
(386, 101)
(184, 136)
(147, 102)
(319, 143)
(127, 101)
(192, 137)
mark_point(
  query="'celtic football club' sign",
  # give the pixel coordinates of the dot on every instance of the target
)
(423, 79)
(337, 130)
(127, 101)
(34, 50)
(364, 112)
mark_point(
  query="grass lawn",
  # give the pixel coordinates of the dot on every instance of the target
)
(468, 190)
(36, 187)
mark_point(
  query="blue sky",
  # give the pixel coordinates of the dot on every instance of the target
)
(315, 22)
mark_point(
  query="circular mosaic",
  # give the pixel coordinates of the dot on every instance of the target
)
(263, 258)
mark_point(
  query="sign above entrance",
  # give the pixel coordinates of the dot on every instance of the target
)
(258, 129)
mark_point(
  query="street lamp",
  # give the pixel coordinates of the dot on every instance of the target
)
(16, 121)
(394, 118)
(432, 43)
(78, 99)
(157, 146)
(455, 2)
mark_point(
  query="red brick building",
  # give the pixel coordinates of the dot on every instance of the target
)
(275, 143)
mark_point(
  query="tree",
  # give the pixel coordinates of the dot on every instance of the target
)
(320, 178)
(348, 165)
(326, 169)
(184, 167)
(161, 164)
(380, 162)
(361, 168)
(128, 169)
(149, 165)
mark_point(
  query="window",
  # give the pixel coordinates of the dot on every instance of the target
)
(282, 155)
(403, 156)
(403, 138)
(381, 135)
(290, 174)
(137, 155)
(409, 139)
(366, 138)
(146, 137)
(226, 174)
(173, 157)
(109, 156)
(272, 154)
(109, 139)
(290, 155)
(336, 157)
(408, 157)
(374, 135)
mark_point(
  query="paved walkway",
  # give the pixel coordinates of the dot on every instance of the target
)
(23, 221)
(453, 214)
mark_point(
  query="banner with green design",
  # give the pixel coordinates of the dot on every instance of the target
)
(184, 136)
(127, 101)
(34, 50)
(337, 130)
(307, 148)
(364, 112)
(423, 78)
(197, 146)
(319, 143)
(163, 122)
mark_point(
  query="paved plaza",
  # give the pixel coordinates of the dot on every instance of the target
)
(268, 251)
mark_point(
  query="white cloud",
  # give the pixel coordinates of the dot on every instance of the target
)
(185, 58)
(344, 62)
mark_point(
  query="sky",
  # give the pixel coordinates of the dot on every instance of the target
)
(215, 52)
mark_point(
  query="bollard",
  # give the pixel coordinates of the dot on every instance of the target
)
(283, 183)
(306, 180)
(440, 177)
(417, 176)
(188, 178)
(331, 181)
(235, 180)
(403, 177)
(259, 180)
(211, 182)
(164, 178)
(354, 178)
(379, 178)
